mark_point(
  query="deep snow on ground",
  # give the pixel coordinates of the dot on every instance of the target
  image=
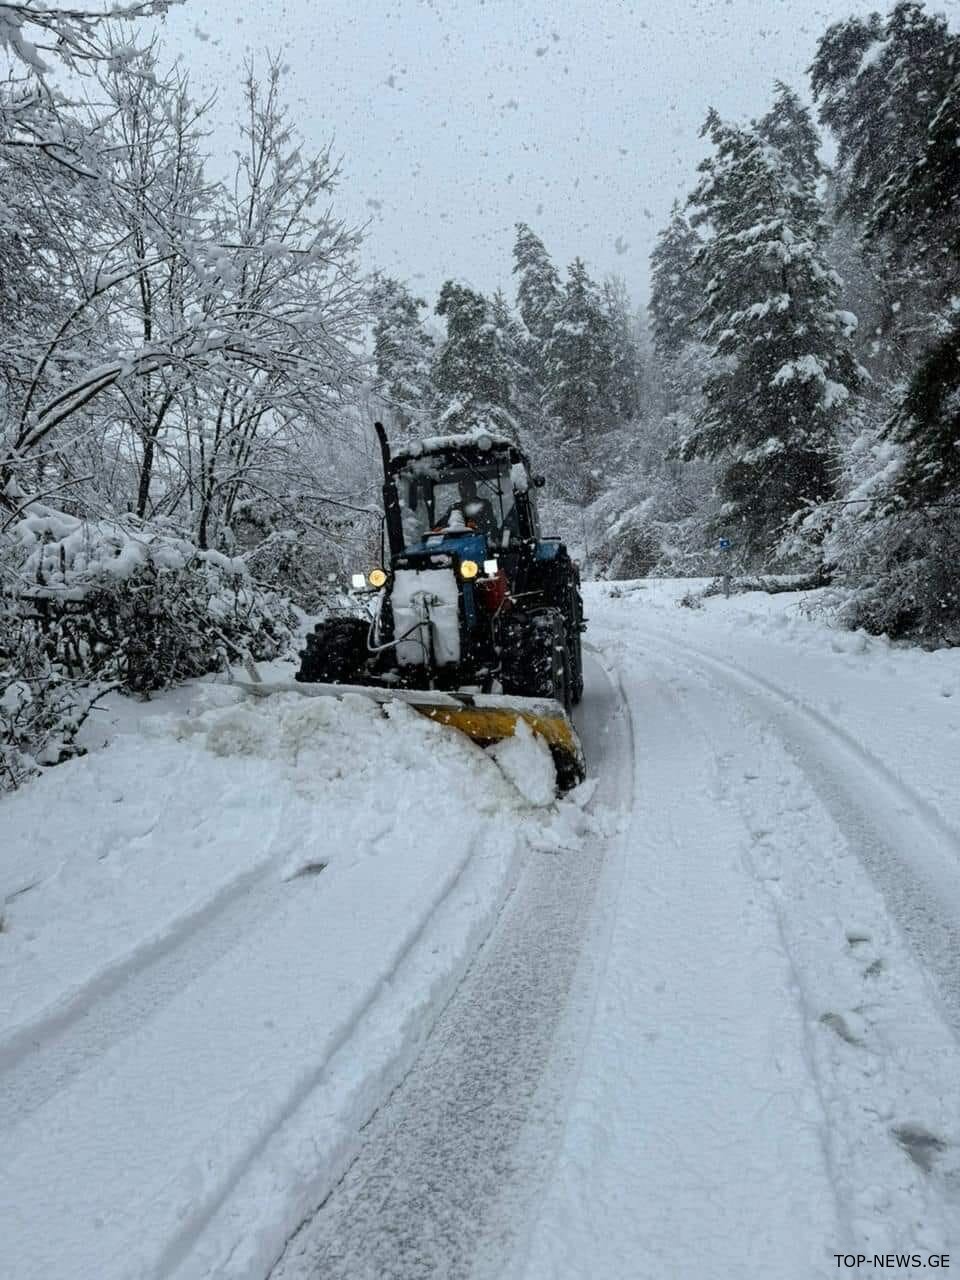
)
(225, 936)
(714, 1029)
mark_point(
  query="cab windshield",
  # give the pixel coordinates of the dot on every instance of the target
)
(438, 494)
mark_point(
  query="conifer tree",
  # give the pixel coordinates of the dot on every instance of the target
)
(677, 285)
(538, 284)
(879, 83)
(513, 343)
(625, 363)
(538, 296)
(471, 373)
(785, 372)
(922, 206)
(403, 351)
(875, 80)
(578, 371)
(579, 359)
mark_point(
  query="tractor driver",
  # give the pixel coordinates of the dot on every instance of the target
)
(476, 512)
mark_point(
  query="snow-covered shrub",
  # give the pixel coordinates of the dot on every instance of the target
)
(690, 600)
(41, 709)
(137, 603)
(630, 549)
(908, 586)
(895, 568)
(311, 561)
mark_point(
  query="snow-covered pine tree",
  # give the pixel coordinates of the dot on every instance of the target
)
(921, 206)
(403, 352)
(876, 80)
(677, 286)
(677, 299)
(472, 371)
(879, 82)
(538, 296)
(774, 406)
(579, 369)
(888, 90)
(513, 342)
(626, 373)
(538, 283)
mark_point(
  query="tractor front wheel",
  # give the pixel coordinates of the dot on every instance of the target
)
(336, 652)
(535, 658)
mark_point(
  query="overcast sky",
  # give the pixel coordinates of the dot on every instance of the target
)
(458, 118)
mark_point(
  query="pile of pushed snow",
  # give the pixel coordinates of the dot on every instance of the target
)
(526, 760)
(323, 739)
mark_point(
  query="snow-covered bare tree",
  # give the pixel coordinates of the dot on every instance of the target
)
(149, 241)
(234, 318)
(287, 310)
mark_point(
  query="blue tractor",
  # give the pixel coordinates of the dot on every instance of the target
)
(479, 617)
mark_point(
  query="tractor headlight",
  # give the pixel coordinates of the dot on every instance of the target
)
(469, 568)
(491, 568)
(358, 582)
(377, 578)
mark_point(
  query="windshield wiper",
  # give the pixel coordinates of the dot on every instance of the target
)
(478, 475)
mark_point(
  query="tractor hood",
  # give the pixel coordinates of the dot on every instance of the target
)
(445, 548)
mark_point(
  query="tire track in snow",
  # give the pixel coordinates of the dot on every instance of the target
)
(442, 1177)
(879, 1042)
(694, 1144)
(911, 852)
(40, 1058)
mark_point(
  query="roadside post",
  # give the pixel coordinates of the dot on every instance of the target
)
(723, 546)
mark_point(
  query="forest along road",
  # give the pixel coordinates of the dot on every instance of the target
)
(723, 1040)
(443, 1182)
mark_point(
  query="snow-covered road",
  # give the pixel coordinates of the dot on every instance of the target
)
(448, 1166)
(771, 1075)
(298, 965)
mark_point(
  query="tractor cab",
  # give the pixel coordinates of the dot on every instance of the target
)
(451, 490)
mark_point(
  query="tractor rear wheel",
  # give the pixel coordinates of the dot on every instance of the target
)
(336, 652)
(576, 668)
(551, 659)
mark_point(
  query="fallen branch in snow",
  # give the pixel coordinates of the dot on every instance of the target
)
(775, 584)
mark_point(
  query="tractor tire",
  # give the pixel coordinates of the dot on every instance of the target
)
(336, 652)
(535, 660)
(550, 659)
(575, 648)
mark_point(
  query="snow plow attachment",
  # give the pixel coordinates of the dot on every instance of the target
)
(484, 718)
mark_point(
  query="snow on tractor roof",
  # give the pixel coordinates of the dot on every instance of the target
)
(483, 441)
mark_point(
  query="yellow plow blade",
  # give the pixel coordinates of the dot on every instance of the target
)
(485, 718)
(486, 725)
